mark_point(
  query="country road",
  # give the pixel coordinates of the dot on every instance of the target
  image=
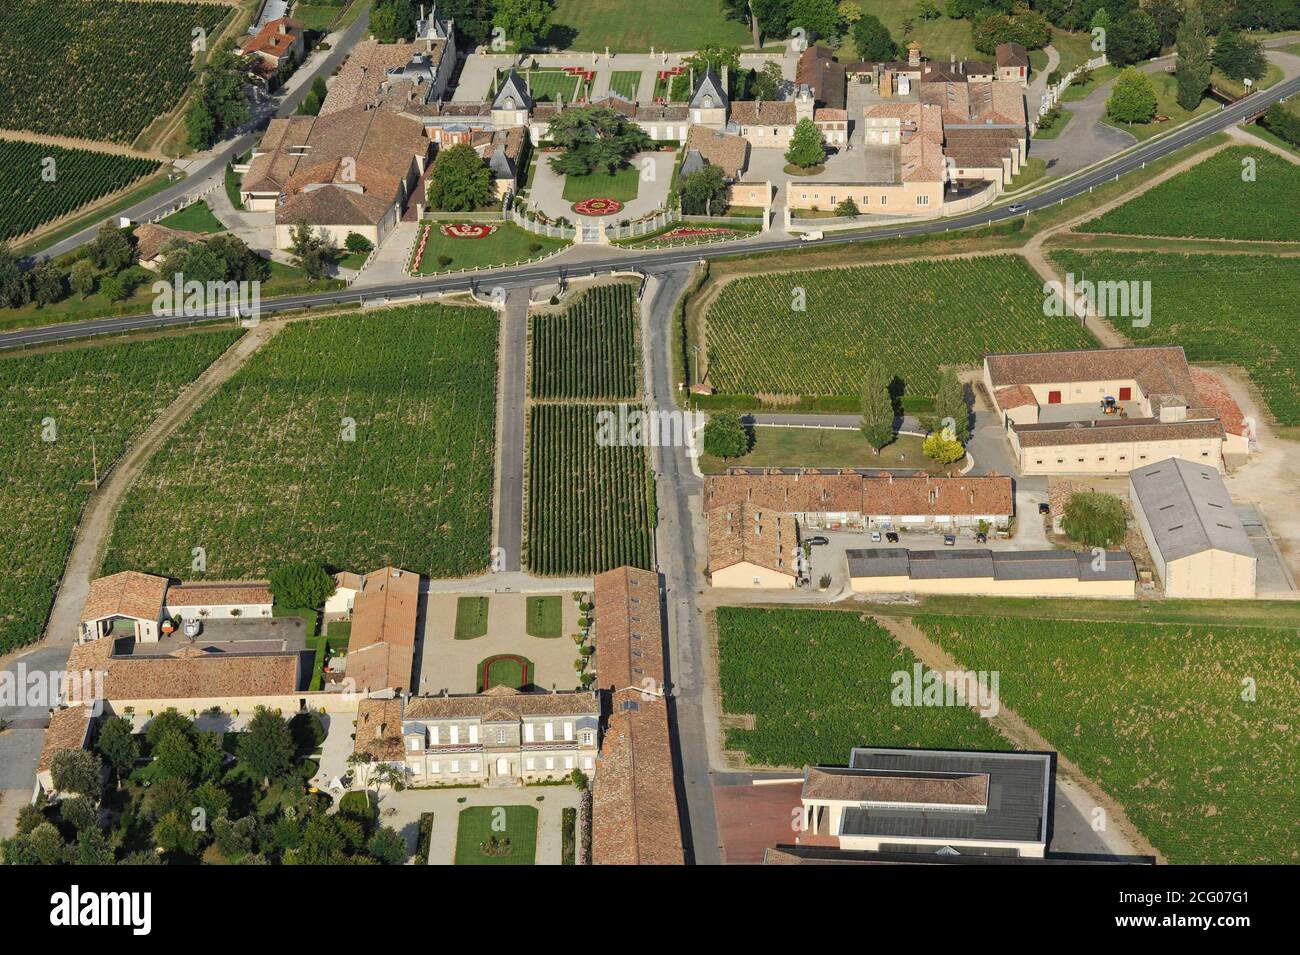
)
(585, 260)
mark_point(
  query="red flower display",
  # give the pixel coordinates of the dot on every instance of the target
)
(597, 207)
(468, 230)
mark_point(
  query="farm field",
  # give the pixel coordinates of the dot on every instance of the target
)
(1155, 715)
(96, 69)
(588, 351)
(105, 394)
(1235, 309)
(356, 441)
(627, 26)
(80, 176)
(911, 316)
(817, 683)
(1212, 201)
(506, 246)
(589, 507)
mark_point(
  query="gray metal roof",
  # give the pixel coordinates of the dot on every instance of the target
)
(999, 565)
(708, 92)
(1034, 564)
(949, 564)
(515, 90)
(1118, 565)
(1019, 786)
(1188, 509)
(878, 562)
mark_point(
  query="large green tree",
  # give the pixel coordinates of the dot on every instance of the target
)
(704, 192)
(393, 20)
(872, 40)
(819, 19)
(302, 585)
(77, 771)
(725, 435)
(1239, 57)
(1095, 519)
(1193, 71)
(1133, 37)
(595, 138)
(877, 407)
(1133, 98)
(950, 402)
(526, 23)
(266, 745)
(806, 147)
(460, 181)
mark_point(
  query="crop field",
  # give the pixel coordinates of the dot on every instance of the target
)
(355, 441)
(1236, 309)
(589, 351)
(97, 69)
(817, 683)
(1212, 200)
(1190, 728)
(38, 184)
(67, 412)
(912, 317)
(589, 506)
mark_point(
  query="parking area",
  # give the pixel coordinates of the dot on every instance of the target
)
(753, 818)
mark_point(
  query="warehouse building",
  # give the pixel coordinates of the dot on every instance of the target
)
(1197, 541)
(1034, 573)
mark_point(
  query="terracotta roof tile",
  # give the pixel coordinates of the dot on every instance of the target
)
(741, 532)
(381, 649)
(128, 594)
(629, 629)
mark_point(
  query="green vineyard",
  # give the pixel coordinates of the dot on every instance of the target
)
(1158, 716)
(67, 413)
(41, 183)
(589, 506)
(355, 441)
(590, 350)
(817, 683)
(1234, 309)
(912, 317)
(97, 69)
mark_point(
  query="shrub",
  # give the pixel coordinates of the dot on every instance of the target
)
(1095, 519)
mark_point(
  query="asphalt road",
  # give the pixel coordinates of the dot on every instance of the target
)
(610, 259)
(248, 137)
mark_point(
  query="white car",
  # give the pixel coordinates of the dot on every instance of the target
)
(875, 537)
(810, 236)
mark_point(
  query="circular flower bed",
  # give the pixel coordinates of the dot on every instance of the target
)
(468, 230)
(597, 207)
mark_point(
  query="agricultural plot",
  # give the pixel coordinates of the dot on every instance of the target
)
(911, 317)
(589, 505)
(1190, 728)
(97, 69)
(589, 351)
(356, 441)
(67, 413)
(38, 184)
(1213, 200)
(818, 682)
(1235, 309)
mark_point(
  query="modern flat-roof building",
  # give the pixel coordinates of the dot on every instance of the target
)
(1037, 573)
(946, 802)
(1198, 544)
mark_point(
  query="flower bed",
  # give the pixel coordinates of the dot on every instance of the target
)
(690, 232)
(467, 230)
(597, 207)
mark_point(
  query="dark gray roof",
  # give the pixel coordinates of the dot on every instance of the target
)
(1034, 564)
(878, 562)
(947, 564)
(693, 162)
(514, 89)
(1019, 786)
(711, 87)
(1118, 565)
(998, 565)
(1188, 509)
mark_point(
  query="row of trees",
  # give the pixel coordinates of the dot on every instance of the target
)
(220, 104)
(949, 423)
(524, 24)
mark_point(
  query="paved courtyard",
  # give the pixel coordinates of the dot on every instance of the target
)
(448, 664)
(652, 192)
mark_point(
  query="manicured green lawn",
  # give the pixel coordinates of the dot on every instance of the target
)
(316, 16)
(478, 824)
(196, 217)
(545, 85)
(545, 616)
(507, 245)
(938, 38)
(471, 617)
(1272, 75)
(632, 26)
(513, 671)
(1032, 170)
(625, 82)
(822, 448)
(1166, 105)
(1212, 200)
(1074, 48)
(597, 185)
(1077, 91)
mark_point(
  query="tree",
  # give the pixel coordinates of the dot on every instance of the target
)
(313, 253)
(307, 731)
(725, 435)
(302, 586)
(877, 407)
(387, 847)
(79, 812)
(1193, 70)
(473, 19)
(764, 17)
(819, 19)
(950, 402)
(1132, 99)
(13, 287)
(239, 263)
(1026, 27)
(112, 289)
(942, 449)
(526, 23)
(1095, 519)
(119, 746)
(704, 192)
(1166, 15)
(77, 771)
(82, 278)
(393, 20)
(806, 147)
(595, 137)
(872, 40)
(174, 756)
(266, 746)
(847, 207)
(111, 250)
(768, 81)
(221, 103)
(46, 284)
(1133, 38)
(1238, 57)
(358, 244)
(460, 181)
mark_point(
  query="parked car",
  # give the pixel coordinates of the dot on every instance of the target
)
(818, 541)
(875, 537)
(891, 537)
(949, 540)
(810, 236)
(1016, 208)
(981, 538)
(1044, 508)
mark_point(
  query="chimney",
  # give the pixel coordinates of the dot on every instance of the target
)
(724, 80)
(379, 731)
(913, 54)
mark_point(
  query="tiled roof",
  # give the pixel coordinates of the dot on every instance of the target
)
(67, 730)
(379, 728)
(1214, 395)
(1158, 369)
(629, 629)
(504, 700)
(634, 795)
(763, 112)
(741, 532)
(727, 152)
(921, 132)
(1113, 429)
(818, 70)
(381, 649)
(275, 38)
(359, 80)
(1011, 54)
(186, 674)
(151, 238)
(976, 104)
(128, 594)
(194, 595)
(847, 785)
(1014, 396)
(798, 491)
